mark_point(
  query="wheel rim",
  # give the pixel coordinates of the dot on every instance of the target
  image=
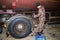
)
(20, 28)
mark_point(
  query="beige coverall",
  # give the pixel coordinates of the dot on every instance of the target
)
(41, 15)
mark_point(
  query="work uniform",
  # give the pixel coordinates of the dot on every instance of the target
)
(41, 15)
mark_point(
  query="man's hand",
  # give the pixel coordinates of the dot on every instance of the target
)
(35, 16)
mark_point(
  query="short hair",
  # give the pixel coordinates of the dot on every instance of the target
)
(38, 4)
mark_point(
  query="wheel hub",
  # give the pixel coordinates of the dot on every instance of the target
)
(20, 28)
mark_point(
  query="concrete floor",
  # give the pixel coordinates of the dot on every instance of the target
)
(50, 33)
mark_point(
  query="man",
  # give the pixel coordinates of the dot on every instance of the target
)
(41, 15)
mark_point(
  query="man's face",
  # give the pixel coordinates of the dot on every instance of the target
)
(38, 6)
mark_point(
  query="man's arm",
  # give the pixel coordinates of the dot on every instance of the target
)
(37, 15)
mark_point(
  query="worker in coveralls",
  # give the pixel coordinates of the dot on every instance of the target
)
(41, 15)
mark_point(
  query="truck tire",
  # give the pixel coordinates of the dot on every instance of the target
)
(20, 27)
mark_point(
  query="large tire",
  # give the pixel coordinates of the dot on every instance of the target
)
(17, 34)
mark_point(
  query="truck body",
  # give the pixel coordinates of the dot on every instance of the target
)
(17, 15)
(30, 4)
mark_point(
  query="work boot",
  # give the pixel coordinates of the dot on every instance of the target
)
(39, 33)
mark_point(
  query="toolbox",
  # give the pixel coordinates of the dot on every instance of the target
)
(40, 37)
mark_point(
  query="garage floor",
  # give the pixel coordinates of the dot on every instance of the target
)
(51, 34)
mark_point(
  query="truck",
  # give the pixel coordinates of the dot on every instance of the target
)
(16, 16)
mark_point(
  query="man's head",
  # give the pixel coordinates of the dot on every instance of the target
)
(38, 5)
